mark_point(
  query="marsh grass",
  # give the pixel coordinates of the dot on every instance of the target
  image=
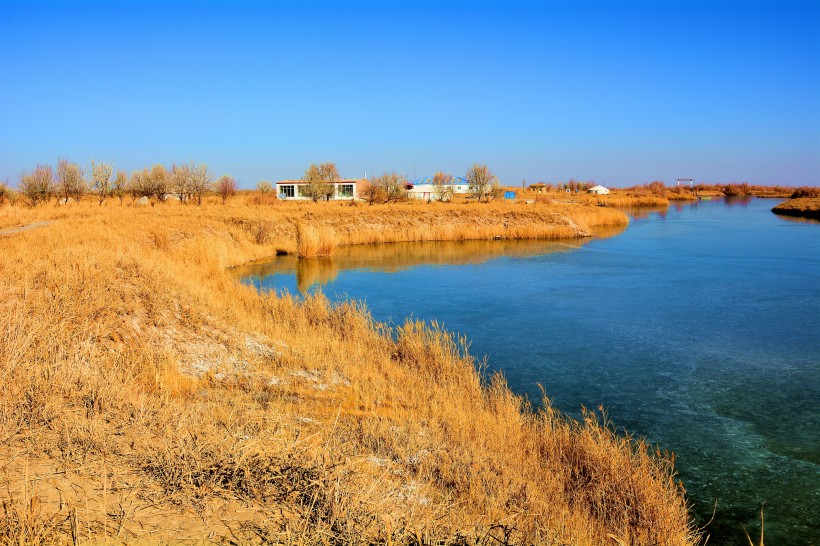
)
(617, 198)
(806, 207)
(158, 399)
(312, 241)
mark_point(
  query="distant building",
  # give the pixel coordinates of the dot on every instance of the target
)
(425, 189)
(598, 190)
(294, 190)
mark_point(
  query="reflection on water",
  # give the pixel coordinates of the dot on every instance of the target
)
(642, 213)
(740, 200)
(659, 212)
(799, 219)
(390, 258)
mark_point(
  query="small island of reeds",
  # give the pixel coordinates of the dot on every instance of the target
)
(802, 207)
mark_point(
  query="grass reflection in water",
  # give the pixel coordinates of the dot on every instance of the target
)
(393, 257)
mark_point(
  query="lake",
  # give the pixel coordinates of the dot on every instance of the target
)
(697, 327)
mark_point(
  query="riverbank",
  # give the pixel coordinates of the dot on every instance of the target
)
(803, 207)
(145, 394)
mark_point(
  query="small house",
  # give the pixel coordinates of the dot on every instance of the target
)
(425, 188)
(598, 190)
(295, 190)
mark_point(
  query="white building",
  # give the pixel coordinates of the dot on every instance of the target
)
(598, 190)
(425, 189)
(294, 190)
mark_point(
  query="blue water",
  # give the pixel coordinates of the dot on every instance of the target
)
(697, 328)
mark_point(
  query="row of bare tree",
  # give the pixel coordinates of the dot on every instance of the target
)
(482, 184)
(185, 182)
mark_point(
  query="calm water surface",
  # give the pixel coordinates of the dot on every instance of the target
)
(696, 327)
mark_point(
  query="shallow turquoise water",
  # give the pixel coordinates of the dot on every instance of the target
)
(698, 328)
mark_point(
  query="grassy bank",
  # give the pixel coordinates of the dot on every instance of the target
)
(145, 395)
(804, 207)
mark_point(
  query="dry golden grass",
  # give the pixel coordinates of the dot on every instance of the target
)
(625, 200)
(617, 198)
(145, 396)
(805, 207)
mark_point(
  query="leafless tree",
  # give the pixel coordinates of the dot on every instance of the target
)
(264, 187)
(394, 186)
(119, 186)
(496, 190)
(312, 186)
(38, 185)
(200, 181)
(226, 187)
(329, 175)
(372, 193)
(159, 181)
(181, 177)
(320, 181)
(443, 186)
(5, 192)
(480, 180)
(140, 185)
(101, 180)
(70, 181)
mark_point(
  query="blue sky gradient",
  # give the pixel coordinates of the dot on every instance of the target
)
(617, 92)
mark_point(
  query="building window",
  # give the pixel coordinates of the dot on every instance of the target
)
(287, 191)
(345, 190)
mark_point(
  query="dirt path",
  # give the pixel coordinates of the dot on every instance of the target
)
(13, 231)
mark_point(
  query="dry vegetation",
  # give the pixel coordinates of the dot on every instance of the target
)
(657, 193)
(804, 207)
(146, 396)
(685, 193)
(617, 198)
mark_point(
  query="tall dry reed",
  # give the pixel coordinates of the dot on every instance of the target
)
(312, 241)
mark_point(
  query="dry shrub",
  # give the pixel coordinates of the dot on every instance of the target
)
(737, 190)
(805, 191)
(261, 232)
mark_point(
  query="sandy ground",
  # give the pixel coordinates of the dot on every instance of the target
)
(13, 231)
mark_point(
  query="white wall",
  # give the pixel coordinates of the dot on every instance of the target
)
(425, 191)
(297, 197)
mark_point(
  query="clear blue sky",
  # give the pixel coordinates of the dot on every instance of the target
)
(621, 92)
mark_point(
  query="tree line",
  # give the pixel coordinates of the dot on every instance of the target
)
(187, 182)
(744, 189)
(573, 186)
(190, 182)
